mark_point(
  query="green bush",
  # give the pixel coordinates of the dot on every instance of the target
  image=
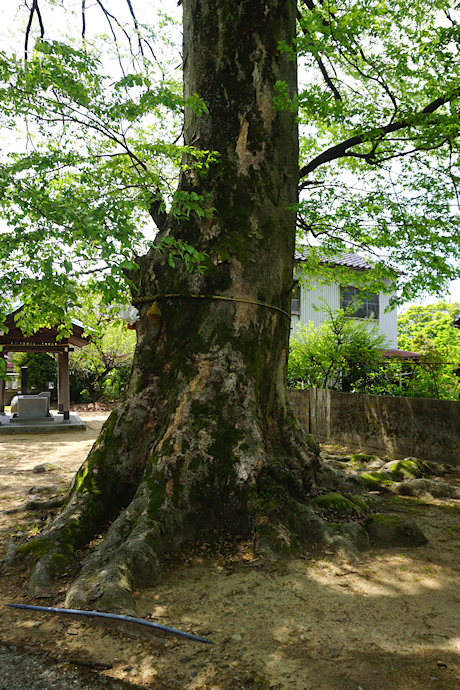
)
(346, 355)
(101, 370)
(427, 377)
(337, 354)
(42, 369)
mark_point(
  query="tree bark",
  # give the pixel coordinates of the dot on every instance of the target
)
(206, 437)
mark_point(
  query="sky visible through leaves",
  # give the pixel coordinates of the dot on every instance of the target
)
(66, 18)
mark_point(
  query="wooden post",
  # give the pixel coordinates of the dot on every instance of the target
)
(65, 385)
(2, 389)
(24, 372)
(59, 382)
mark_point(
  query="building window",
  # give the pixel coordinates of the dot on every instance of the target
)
(295, 299)
(359, 304)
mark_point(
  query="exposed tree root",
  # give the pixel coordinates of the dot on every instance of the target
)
(126, 559)
(36, 504)
(128, 556)
(207, 460)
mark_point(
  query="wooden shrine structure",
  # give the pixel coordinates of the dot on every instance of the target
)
(45, 340)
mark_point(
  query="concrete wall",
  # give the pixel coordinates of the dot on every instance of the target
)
(400, 427)
(300, 403)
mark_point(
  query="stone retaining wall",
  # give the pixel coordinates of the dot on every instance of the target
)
(427, 429)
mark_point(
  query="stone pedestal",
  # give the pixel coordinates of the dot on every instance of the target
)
(31, 407)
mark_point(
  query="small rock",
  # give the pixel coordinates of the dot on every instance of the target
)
(376, 464)
(237, 637)
(389, 529)
(400, 470)
(41, 490)
(427, 487)
(441, 664)
(45, 467)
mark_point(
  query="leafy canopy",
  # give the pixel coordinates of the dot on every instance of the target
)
(427, 377)
(41, 369)
(429, 330)
(345, 354)
(89, 165)
(93, 155)
(380, 115)
(102, 368)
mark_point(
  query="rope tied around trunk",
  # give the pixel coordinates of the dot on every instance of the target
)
(155, 312)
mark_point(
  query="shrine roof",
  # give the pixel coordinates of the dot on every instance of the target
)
(44, 340)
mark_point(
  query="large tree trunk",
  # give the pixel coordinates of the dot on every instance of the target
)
(206, 437)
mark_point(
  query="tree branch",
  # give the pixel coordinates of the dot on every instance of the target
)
(33, 10)
(91, 121)
(136, 26)
(319, 61)
(157, 214)
(309, 4)
(341, 150)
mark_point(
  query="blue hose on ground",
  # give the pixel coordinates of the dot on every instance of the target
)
(110, 616)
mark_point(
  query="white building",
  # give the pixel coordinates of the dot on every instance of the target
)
(372, 308)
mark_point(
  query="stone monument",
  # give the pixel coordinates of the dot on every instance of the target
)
(31, 406)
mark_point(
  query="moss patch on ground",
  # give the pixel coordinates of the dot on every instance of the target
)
(405, 469)
(361, 459)
(334, 502)
(375, 481)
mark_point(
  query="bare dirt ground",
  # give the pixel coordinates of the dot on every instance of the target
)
(389, 621)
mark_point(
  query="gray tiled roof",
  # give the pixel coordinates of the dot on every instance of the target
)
(349, 259)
